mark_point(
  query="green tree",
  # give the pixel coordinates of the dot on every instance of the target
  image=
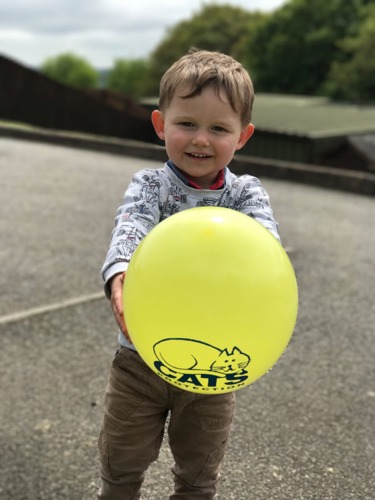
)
(128, 76)
(292, 50)
(353, 77)
(72, 70)
(214, 27)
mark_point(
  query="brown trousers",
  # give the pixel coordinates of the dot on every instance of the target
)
(136, 408)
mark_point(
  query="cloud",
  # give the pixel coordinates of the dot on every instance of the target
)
(100, 30)
(71, 16)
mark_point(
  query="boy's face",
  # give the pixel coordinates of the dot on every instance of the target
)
(201, 134)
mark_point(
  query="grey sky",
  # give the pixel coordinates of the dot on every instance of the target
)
(99, 30)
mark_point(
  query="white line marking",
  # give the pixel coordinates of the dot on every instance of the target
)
(18, 316)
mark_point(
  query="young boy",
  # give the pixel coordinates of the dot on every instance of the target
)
(204, 118)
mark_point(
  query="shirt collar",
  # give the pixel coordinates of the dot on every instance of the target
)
(218, 184)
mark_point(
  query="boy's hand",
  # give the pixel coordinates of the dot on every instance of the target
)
(117, 284)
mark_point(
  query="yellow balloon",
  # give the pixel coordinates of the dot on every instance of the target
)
(210, 300)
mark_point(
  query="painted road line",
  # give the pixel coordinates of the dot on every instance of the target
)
(35, 311)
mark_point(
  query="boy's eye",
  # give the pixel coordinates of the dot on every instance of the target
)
(217, 128)
(187, 124)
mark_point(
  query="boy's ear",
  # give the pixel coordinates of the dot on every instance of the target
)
(245, 135)
(158, 123)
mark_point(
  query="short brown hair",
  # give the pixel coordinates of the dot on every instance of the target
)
(199, 69)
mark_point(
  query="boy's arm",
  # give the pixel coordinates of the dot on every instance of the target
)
(138, 214)
(253, 200)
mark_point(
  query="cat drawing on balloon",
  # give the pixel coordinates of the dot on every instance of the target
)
(189, 356)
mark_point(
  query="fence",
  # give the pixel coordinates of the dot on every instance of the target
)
(30, 97)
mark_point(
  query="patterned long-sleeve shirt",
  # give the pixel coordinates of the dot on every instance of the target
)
(155, 194)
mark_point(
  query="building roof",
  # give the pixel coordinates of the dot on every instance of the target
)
(311, 116)
(315, 117)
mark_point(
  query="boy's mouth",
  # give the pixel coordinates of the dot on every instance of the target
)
(199, 155)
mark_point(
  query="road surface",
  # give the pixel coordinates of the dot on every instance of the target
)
(305, 431)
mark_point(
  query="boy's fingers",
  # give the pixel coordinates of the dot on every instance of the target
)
(118, 311)
(116, 302)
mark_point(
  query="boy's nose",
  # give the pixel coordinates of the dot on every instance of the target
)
(200, 139)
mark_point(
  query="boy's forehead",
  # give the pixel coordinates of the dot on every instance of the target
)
(187, 92)
(212, 107)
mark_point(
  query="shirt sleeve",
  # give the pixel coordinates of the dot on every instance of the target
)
(138, 214)
(254, 201)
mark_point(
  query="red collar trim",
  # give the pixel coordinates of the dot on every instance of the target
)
(218, 184)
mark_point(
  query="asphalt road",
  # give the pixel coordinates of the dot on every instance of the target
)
(304, 431)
